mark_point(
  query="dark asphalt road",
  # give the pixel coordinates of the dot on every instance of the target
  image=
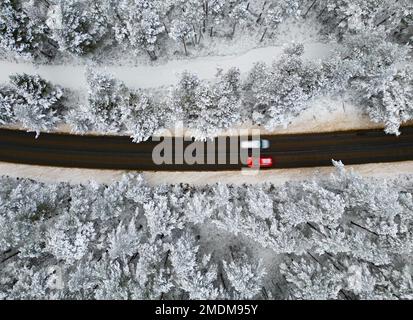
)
(288, 151)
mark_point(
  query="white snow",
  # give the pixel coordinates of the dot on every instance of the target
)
(275, 176)
(147, 76)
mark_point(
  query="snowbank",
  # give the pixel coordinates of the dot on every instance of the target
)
(275, 176)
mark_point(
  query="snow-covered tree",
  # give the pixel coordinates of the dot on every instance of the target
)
(193, 273)
(112, 107)
(375, 55)
(239, 15)
(106, 98)
(258, 195)
(310, 280)
(278, 12)
(39, 107)
(309, 203)
(82, 26)
(207, 108)
(26, 206)
(160, 218)
(181, 31)
(19, 33)
(152, 276)
(245, 276)
(276, 94)
(333, 237)
(139, 25)
(7, 100)
(359, 280)
(113, 280)
(352, 16)
(123, 241)
(69, 238)
(391, 103)
(32, 283)
(198, 208)
(140, 116)
(337, 72)
(376, 207)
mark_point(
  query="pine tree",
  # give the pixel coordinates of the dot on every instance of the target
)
(39, 107)
(245, 276)
(106, 98)
(83, 26)
(123, 241)
(140, 116)
(181, 31)
(239, 15)
(69, 238)
(392, 102)
(198, 208)
(192, 273)
(309, 280)
(278, 93)
(309, 203)
(207, 108)
(19, 33)
(161, 219)
(139, 25)
(7, 100)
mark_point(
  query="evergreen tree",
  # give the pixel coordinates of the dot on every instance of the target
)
(82, 27)
(139, 25)
(40, 104)
(20, 34)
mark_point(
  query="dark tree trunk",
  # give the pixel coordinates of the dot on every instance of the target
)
(345, 18)
(183, 41)
(46, 54)
(384, 20)
(233, 30)
(206, 9)
(364, 228)
(10, 256)
(308, 10)
(263, 35)
(195, 39)
(222, 280)
(201, 35)
(322, 12)
(259, 18)
(166, 29)
(152, 55)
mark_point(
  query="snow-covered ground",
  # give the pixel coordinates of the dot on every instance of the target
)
(275, 176)
(325, 114)
(146, 76)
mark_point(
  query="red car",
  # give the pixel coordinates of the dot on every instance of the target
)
(264, 162)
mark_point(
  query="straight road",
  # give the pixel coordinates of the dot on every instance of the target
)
(288, 151)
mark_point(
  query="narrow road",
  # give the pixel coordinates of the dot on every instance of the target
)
(288, 151)
(155, 76)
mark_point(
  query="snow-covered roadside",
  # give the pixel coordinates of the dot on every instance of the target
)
(324, 114)
(73, 77)
(275, 176)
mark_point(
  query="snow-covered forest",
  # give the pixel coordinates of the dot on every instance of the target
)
(341, 236)
(336, 237)
(371, 64)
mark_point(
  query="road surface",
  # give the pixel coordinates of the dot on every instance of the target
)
(288, 151)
